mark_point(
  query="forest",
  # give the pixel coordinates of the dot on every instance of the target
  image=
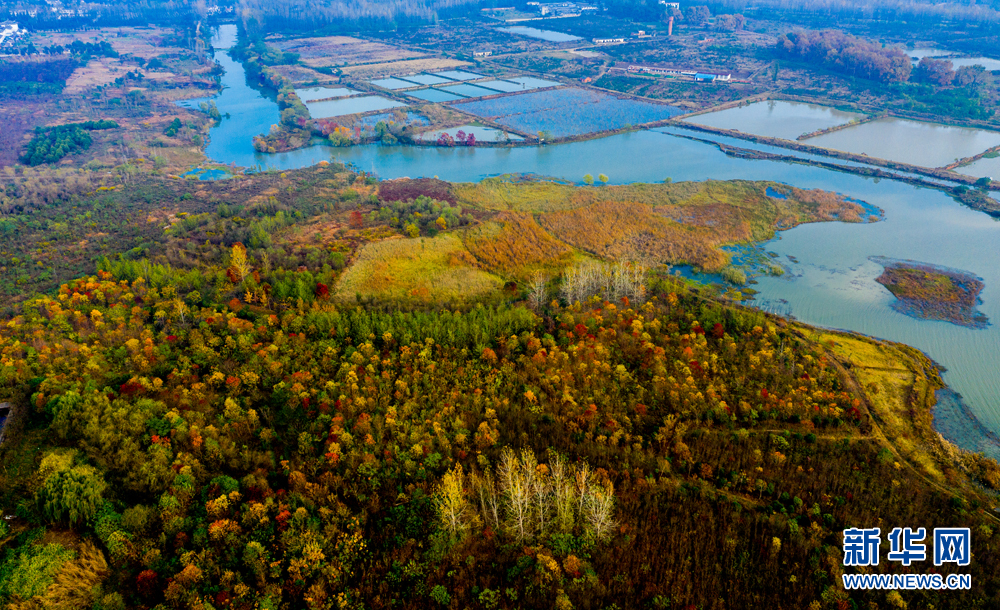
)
(50, 144)
(186, 438)
(841, 52)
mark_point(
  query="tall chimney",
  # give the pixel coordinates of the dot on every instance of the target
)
(670, 26)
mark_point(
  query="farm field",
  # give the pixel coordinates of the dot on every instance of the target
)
(342, 51)
(567, 112)
(144, 42)
(409, 66)
(301, 75)
(351, 105)
(434, 270)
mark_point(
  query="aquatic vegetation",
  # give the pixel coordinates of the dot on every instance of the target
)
(933, 293)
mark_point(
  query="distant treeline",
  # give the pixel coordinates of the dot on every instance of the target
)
(888, 11)
(53, 143)
(840, 52)
(280, 15)
(47, 76)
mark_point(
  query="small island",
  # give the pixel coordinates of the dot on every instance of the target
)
(930, 292)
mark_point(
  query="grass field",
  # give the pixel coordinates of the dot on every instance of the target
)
(342, 51)
(393, 68)
(300, 75)
(430, 270)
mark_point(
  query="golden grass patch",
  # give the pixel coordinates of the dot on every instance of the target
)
(673, 223)
(514, 244)
(427, 270)
(900, 384)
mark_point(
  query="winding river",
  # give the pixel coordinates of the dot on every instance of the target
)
(830, 279)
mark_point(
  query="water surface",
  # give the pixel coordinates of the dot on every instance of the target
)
(776, 119)
(458, 75)
(434, 95)
(914, 142)
(350, 105)
(482, 133)
(983, 168)
(309, 94)
(468, 90)
(548, 35)
(392, 83)
(425, 79)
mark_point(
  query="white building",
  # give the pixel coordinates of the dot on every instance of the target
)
(9, 29)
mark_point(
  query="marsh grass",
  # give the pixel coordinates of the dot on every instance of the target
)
(515, 245)
(671, 223)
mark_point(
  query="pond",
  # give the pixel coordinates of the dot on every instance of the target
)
(776, 119)
(310, 94)
(548, 35)
(830, 280)
(350, 105)
(482, 133)
(425, 79)
(458, 75)
(983, 168)
(987, 62)
(913, 142)
(392, 84)
(434, 95)
(567, 111)
(468, 90)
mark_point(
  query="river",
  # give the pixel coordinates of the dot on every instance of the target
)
(831, 281)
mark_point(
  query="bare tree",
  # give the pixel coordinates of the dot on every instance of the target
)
(489, 502)
(599, 505)
(537, 290)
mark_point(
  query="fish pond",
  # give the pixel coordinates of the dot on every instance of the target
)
(311, 94)
(482, 134)
(434, 95)
(776, 118)
(985, 167)
(350, 105)
(567, 111)
(468, 90)
(393, 84)
(913, 142)
(425, 79)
